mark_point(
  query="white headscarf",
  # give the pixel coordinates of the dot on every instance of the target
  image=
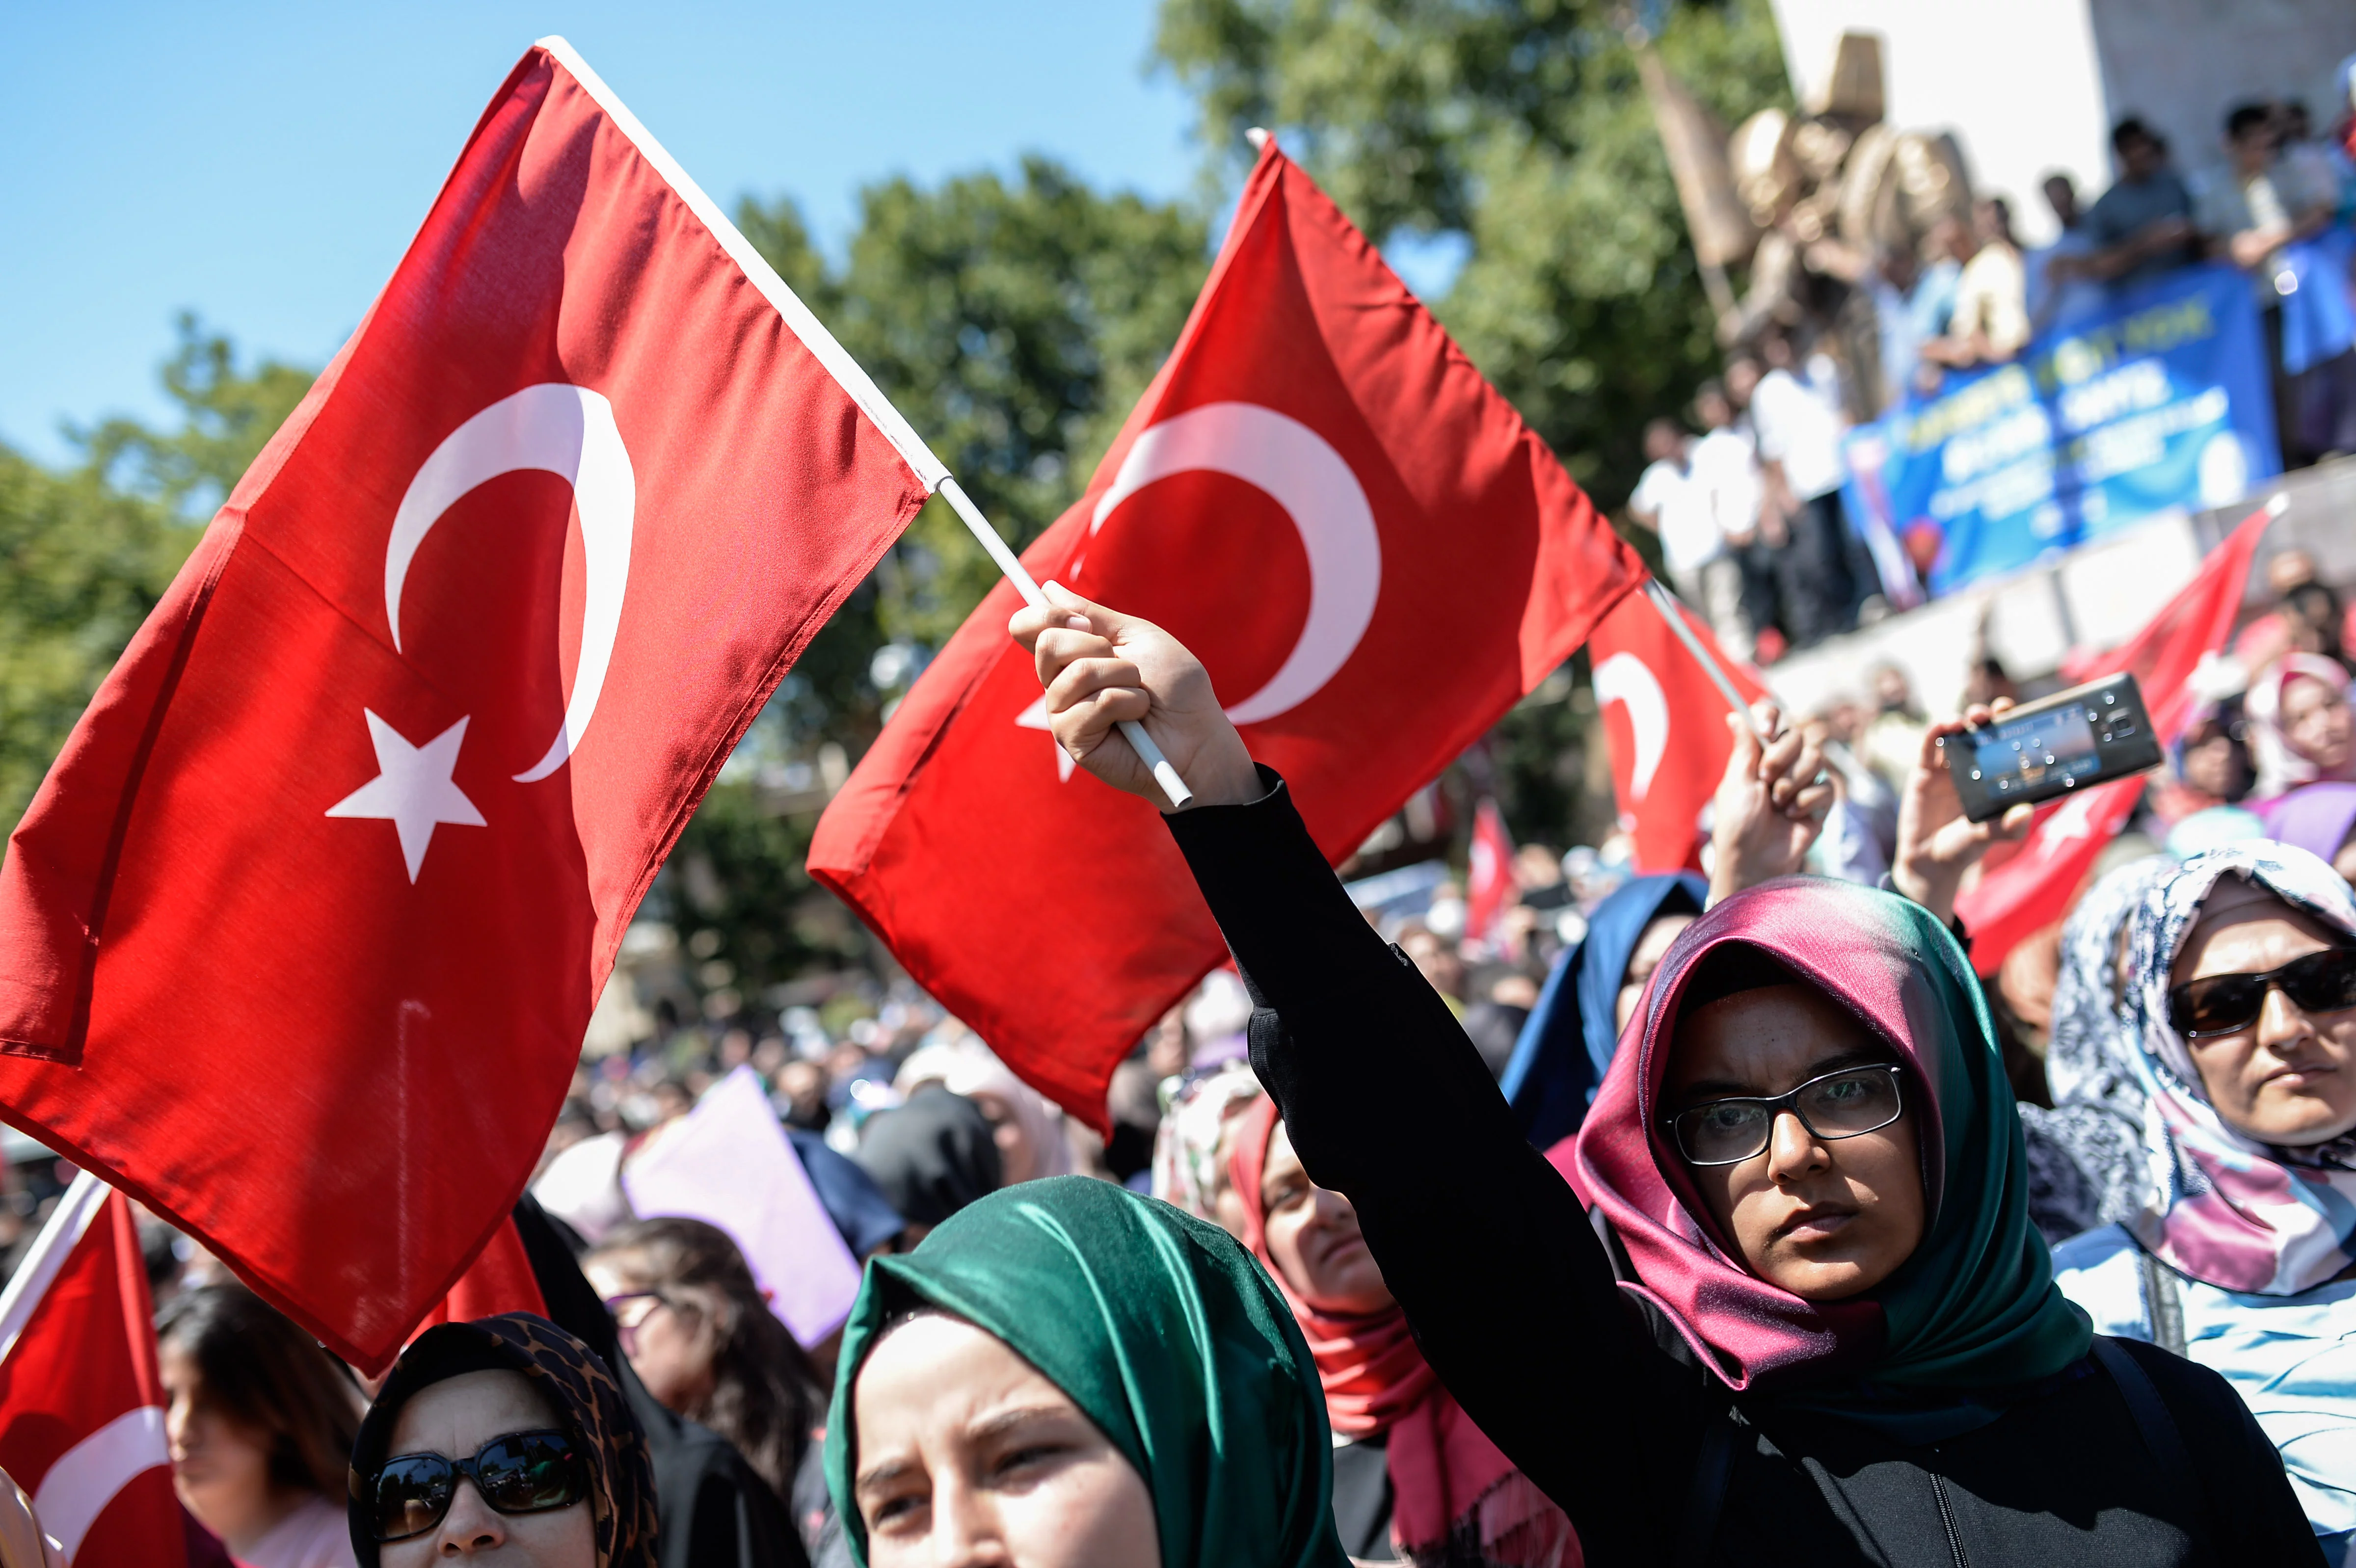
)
(2280, 769)
(966, 1066)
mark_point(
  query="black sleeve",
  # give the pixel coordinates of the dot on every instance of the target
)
(2253, 1513)
(1510, 1293)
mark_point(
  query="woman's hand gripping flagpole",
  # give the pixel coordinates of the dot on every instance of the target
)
(1149, 763)
(1103, 670)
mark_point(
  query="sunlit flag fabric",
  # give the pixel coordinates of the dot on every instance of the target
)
(82, 1402)
(1664, 724)
(2032, 886)
(1371, 552)
(302, 930)
(1488, 873)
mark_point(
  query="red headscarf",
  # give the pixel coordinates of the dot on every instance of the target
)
(1443, 1469)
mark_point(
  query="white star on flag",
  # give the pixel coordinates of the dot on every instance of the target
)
(412, 789)
(1035, 718)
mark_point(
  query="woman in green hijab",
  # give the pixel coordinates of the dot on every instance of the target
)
(1087, 1378)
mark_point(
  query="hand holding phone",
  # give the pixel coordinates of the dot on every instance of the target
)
(2041, 750)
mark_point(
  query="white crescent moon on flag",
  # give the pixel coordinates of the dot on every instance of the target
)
(76, 1489)
(1301, 472)
(559, 429)
(1624, 678)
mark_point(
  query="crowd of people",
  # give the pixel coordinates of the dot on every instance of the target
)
(1707, 1217)
(1747, 503)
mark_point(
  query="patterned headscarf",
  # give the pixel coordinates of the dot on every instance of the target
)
(1186, 1149)
(2085, 1156)
(1974, 1308)
(2238, 1213)
(576, 1385)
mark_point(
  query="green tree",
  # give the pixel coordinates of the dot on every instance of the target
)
(84, 554)
(1522, 126)
(227, 415)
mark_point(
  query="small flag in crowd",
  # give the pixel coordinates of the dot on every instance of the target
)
(304, 928)
(1489, 876)
(81, 1400)
(1665, 722)
(1370, 551)
(2027, 890)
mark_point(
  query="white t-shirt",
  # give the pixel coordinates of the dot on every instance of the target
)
(1726, 463)
(1798, 430)
(1679, 504)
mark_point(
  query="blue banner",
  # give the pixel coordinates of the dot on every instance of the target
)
(2159, 398)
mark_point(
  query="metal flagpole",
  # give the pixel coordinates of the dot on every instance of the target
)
(1666, 603)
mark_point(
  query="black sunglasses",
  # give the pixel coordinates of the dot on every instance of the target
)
(1844, 1105)
(522, 1472)
(2322, 982)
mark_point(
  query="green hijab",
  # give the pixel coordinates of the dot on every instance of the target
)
(1162, 1328)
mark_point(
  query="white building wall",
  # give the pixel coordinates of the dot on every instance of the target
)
(2017, 81)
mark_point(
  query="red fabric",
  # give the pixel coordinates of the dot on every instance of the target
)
(1665, 722)
(499, 1280)
(2035, 886)
(82, 1406)
(960, 836)
(332, 1066)
(1441, 1466)
(1488, 890)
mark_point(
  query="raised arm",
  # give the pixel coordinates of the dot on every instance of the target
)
(1508, 1288)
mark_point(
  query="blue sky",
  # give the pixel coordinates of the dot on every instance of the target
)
(265, 165)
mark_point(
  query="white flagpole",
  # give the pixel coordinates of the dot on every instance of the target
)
(1666, 604)
(846, 371)
(81, 1203)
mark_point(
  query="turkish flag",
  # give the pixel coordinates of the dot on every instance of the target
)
(81, 1403)
(1664, 723)
(302, 929)
(2035, 885)
(1371, 552)
(500, 1279)
(1489, 878)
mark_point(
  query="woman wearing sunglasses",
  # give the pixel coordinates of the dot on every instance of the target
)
(2243, 1056)
(1809, 1321)
(501, 1441)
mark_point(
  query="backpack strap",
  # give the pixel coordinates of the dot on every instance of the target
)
(1706, 1499)
(2161, 1432)
(2163, 1304)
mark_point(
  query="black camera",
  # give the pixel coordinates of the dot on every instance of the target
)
(2086, 735)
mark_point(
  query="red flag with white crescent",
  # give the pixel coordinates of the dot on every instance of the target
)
(1665, 722)
(1370, 551)
(304, 928)
(81, 1399)
(1489, 873)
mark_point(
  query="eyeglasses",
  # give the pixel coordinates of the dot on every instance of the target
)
(2322, 982)
(1844, 1105)
(630, 1310)
(523, 1472)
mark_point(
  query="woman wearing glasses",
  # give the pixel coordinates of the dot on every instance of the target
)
(2244, 1054)
(1810, 1321)
(504, 1440)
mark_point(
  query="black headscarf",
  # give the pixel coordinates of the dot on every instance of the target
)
(574, 1381)
(932, 1156)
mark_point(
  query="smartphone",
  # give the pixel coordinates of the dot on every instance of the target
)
(2086, 735)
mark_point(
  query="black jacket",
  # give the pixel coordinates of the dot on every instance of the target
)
(1513, 1299)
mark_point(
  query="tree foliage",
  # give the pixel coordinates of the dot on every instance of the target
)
(85, 553)
(1521, 125)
